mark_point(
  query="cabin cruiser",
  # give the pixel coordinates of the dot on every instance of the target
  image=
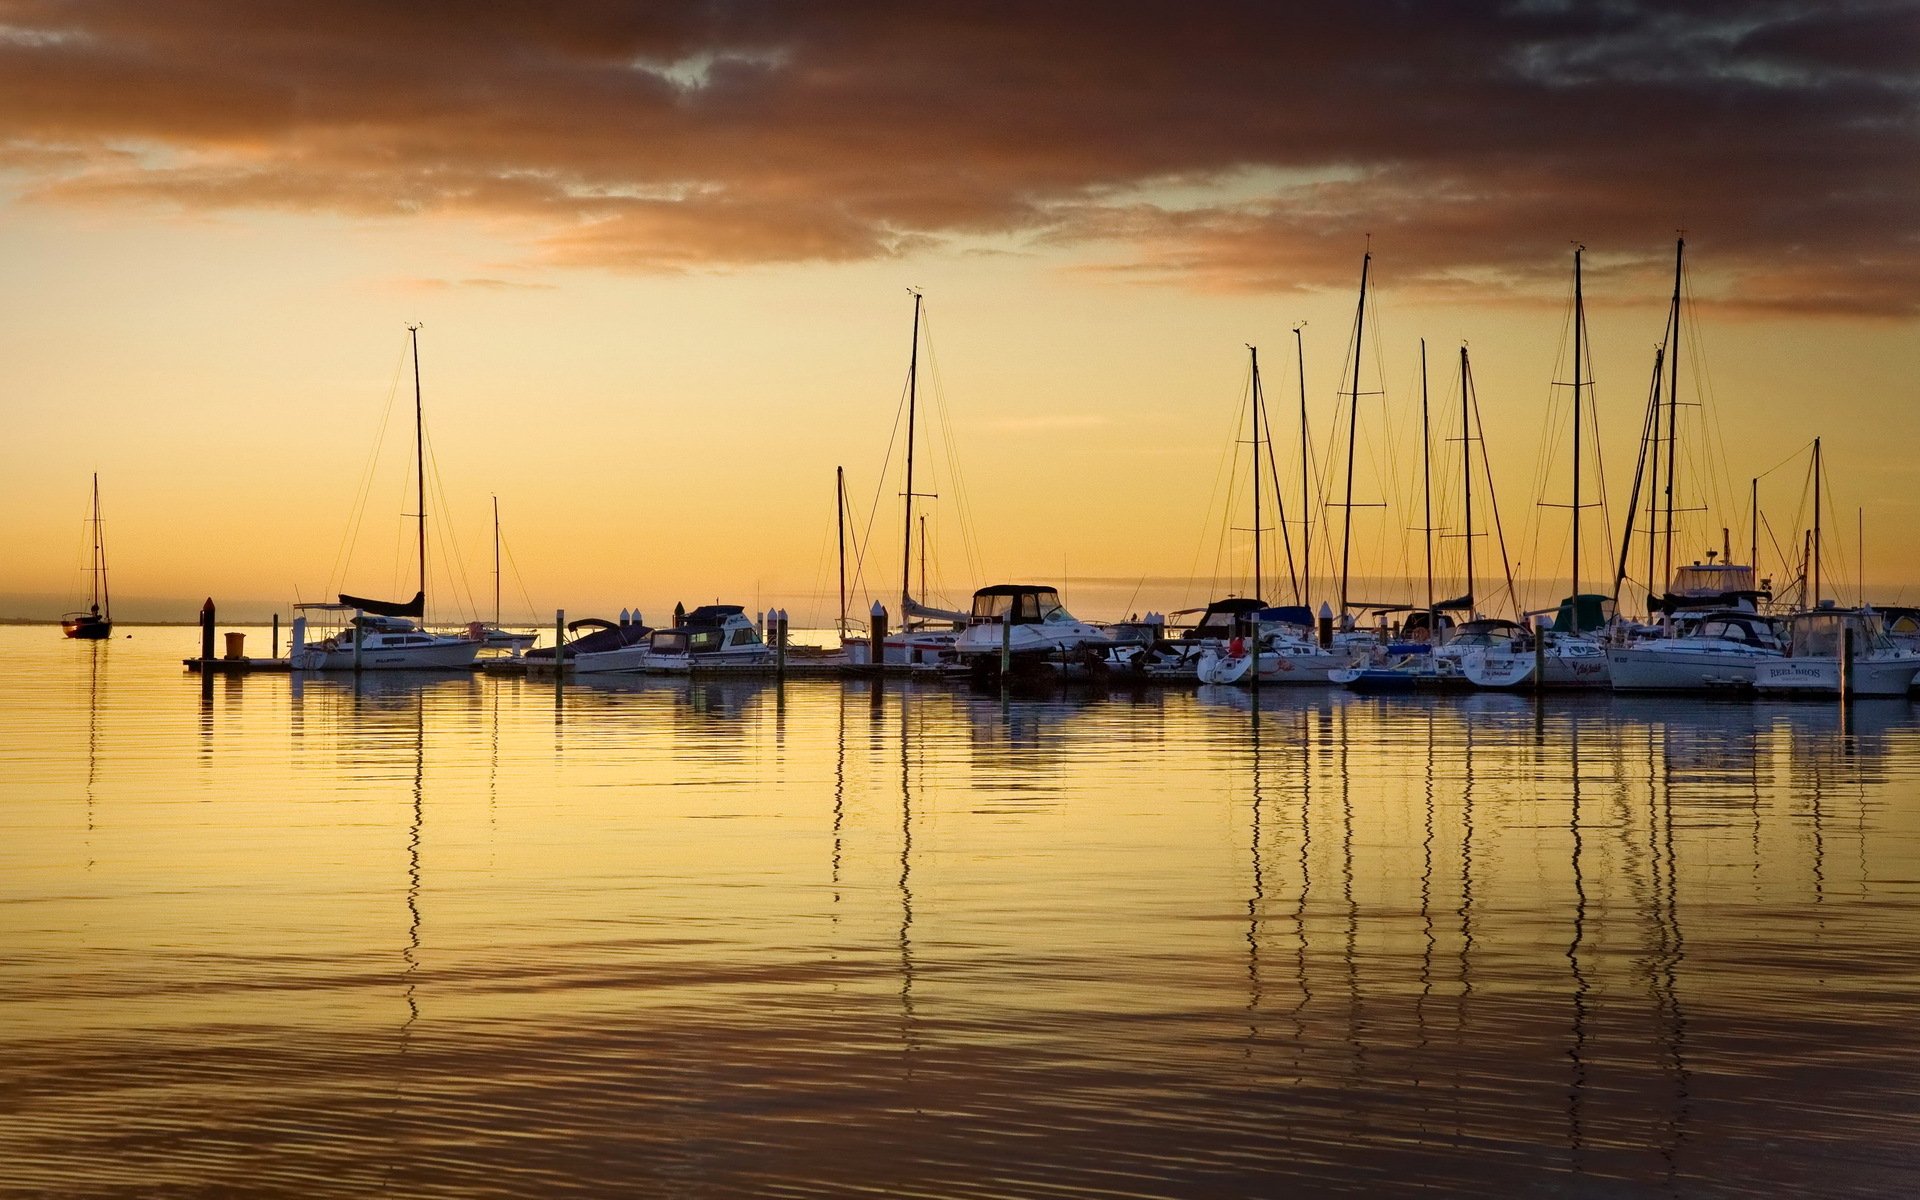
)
(1817, 643)
(351, 638)
(1711, 651)
(1713, 585)
(713, 636)
(1030, 623)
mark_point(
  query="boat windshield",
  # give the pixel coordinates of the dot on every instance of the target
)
(1817, 634)
(1712, 579)
(669, 641)
(1731, 630)
(1021, 608)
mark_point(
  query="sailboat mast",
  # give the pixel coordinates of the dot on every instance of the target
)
(1306, 499)
(840, 538)
(419, 467)
(496, 561)
(923, 558)
(1426, 486)
(100, 594)
(1579, 336)
(1753, 532)
(913, 388)
(1466, 471)
(1815, 566)
(1259, 579)
(1353, 416)
(1673, 405)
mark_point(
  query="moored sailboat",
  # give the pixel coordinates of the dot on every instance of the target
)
(387, 635)
(96, 623)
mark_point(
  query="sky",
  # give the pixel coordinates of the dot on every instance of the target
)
(661, 258)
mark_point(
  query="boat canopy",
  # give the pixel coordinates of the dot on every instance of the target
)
(416, 607)
(708, 615)
(1018, 604)
(1595, 611)
(1817, 634)
(1711, 579)
(1286, 614)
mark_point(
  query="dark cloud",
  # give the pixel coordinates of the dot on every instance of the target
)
(1234, 146)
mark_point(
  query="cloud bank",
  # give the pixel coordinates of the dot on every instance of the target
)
(1233, 146)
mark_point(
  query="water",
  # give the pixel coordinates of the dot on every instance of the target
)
(458, 938)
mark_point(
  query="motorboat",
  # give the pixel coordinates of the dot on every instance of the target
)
(1282, 651)
(711, 637)
(1030, 624)
(599, 645)
(1712, 651)
(96, 623)
(1831, 650)
(1421, 666)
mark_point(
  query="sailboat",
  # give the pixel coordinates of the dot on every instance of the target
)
(1570, 655)
(97, 622)
(925, 635)
(493, 636)
(384, 635)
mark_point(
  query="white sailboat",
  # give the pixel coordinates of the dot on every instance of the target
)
(360, 634)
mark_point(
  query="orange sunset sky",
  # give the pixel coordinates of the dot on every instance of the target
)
(661, 254)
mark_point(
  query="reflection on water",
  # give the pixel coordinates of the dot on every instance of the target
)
(475, 937)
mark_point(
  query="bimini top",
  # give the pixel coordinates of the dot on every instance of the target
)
(1018, 604)
(710, 615)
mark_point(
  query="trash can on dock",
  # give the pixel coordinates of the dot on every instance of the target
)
(235, 645)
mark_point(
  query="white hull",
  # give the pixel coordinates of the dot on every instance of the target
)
(1821, 676)
(1571, 669)
(1029, 640)
(1654, 667)
(452, 655)
(626, 658)
(1277, 668)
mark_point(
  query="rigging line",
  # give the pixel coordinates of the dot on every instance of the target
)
(356, 515)
(1213, 492)
(1493, 503)
(506, 548)
(1280, 505)
(949, 449)
(463, 580)
(1803, 448)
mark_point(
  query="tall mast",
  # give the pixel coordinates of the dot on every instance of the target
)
(100, 595)
(1815, 566)
(1466, 471)
(923, 558)
(496, 560)
(419, 468)
(1579, 335)
(1753, 542)
(1259, 579)
(1353, 416)
(840, 538)
(1306, 499)
(913, 383)
(1673, 403)
(1426, 486)
(1649, 427)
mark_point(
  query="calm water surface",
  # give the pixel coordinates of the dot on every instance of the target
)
(465, 937)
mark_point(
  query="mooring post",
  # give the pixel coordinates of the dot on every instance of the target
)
(877, 637)
(1326, 626)
(1540, 656)
(276, 635)
(206, 633)
(779, 621)
(559, 647)
(1846, 662)
(359, 636)
(1006, 648)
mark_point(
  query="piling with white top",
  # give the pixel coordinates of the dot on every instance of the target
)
(877, 637)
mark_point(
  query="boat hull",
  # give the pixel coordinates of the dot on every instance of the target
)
(87, 628)
(443, 656)
(1500, 669)
(1651, 668)
(1821, 677)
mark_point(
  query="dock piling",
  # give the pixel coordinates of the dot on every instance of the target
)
(206, 631)
(877, 637)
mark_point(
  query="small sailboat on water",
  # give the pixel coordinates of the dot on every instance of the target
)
(96, 623)
(385, 635)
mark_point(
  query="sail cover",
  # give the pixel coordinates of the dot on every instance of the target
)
(416, 607)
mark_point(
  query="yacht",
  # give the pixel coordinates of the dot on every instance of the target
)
(1029, 622)
(599, 645)
(1816, 643)
(1711, 651)
(713, 636)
